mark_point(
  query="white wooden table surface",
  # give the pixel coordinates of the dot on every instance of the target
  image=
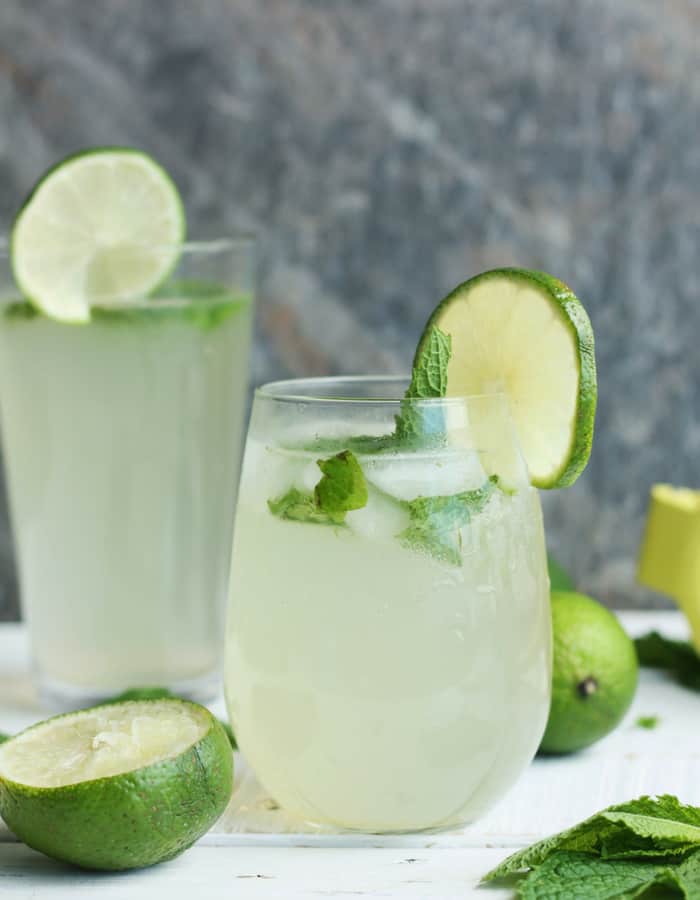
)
(257, 852)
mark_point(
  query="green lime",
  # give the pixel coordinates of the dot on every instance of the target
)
(119, 786)
(103, 226)
(594, 675)
(525, 334)
(559, 578)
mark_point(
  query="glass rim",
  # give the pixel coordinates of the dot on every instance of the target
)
(203, 246)
(292, 390)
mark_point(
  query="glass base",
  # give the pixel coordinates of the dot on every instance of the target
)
(59, 696)
(453, 826)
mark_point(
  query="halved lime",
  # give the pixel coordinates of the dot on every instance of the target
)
(525, 333)
(103, 226)
(119, 786)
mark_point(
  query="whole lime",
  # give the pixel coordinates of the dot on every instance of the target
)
(594, 673)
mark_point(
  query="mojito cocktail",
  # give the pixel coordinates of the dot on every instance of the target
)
(121, 404)
(388, 660)
(388, 648)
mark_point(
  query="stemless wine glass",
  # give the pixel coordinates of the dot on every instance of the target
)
(122, 438)
(388, 667)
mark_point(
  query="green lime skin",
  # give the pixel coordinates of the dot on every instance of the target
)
(559, 578)
(131, 820)
(595, 673)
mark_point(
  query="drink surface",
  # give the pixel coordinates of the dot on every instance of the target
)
(121, 441)
(371, 684)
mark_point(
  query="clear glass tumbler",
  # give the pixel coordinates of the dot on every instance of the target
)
(122, 441)
(388, 665)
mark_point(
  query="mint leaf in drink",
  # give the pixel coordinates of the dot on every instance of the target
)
(429, 379)
(341, 489)
(678, 658)
(657, 827)
(436, 521)
(343, 486)
(564, 874)
(298, 506)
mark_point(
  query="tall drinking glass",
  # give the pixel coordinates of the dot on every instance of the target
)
(122, 441)
(387, 667)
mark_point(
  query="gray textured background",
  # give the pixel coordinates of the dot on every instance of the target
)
(386, 150)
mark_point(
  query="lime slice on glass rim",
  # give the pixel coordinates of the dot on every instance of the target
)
(118, 786)
(525, 334)
(102, 226)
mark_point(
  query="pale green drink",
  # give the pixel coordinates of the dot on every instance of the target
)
(122, 440)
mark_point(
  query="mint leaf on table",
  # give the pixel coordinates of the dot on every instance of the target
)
(648, 722)
(566, 875)
(428, 380)
(649, 826)
(4, 737)
(659, 827)
(678, 658)
(436, 521)
(584, 837)
(688, 876)
(341, 489)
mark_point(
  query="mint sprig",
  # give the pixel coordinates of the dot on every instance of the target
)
(341, 489)
(436, 521)
(416, 425)
(428, 380)
(621, 852)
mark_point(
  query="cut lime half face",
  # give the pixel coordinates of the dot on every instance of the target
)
(525, 334)
(119, 786)
(102, 227)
